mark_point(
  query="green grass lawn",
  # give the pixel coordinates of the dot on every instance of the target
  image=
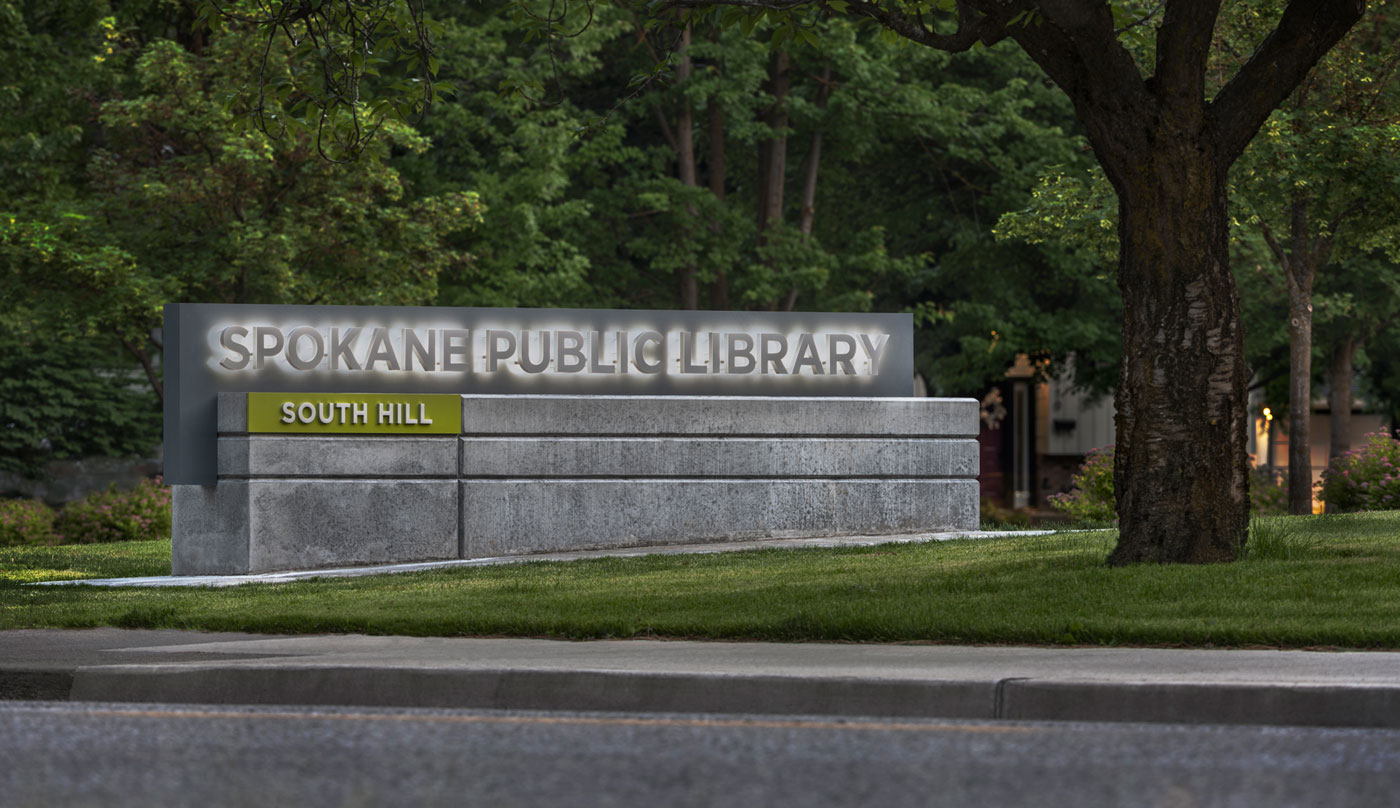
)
(1311, 581)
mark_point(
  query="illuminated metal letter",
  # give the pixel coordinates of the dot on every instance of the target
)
(226, 339)
(595, 355)
(640, 356)
(264, 349)
(499, 345)
(317, 342)
(452, 348)
(427, 354)
(841, 359)
(736, 353)
(770, 358)
(526, 363)
(807, 355)
(341, 349)
(569, 347)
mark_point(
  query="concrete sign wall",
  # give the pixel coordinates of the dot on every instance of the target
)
(212, 348)
(539, 473)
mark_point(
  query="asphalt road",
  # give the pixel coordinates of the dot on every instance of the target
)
(75, 754)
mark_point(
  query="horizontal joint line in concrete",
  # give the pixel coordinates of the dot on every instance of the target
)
(883, 436)
(728, 478)
(361, 435)
(339, 477)
(328, 478)
(574, 435)
(694, 476)
(698, 438)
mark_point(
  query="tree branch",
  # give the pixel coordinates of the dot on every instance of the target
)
(1307, 30)
(1274, 246)
(1075, 44)
(1183, 44)
(146, 364)
(985, 24)
(1356, 206)
(987, 27)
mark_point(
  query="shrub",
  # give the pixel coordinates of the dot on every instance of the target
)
(1268, 491)
(1365, 479)
(59, 399)
(1091, 499)
(995, 517)
(25, 521)
(142, 513)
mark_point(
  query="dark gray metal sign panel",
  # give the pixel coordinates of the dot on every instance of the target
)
(213, 348)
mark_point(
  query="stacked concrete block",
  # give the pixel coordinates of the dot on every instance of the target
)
(303, 501)
(548, 473)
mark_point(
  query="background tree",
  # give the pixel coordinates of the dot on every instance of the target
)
(1316, 186)
(606, 219)
(162, 196)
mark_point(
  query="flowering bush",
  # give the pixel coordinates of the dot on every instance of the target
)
(1092, 498)
(25, 521)
(142, 513)
(1365, 479)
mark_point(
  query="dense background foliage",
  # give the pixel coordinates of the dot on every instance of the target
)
(744, 166)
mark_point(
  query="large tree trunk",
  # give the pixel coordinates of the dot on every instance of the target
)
(1180, 467)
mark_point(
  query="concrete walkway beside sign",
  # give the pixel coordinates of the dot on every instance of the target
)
(576, 555)
(1301, 688)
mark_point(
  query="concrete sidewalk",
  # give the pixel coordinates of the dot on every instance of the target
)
(1302, 688)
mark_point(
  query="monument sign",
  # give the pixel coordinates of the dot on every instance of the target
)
(309, 436)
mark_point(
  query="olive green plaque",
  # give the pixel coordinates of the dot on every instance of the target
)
(355, 413)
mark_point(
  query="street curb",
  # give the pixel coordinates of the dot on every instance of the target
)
(606, 691)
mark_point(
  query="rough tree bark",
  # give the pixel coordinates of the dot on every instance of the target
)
(1177, 441)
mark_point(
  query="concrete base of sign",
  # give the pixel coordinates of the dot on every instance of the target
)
(535, 474)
